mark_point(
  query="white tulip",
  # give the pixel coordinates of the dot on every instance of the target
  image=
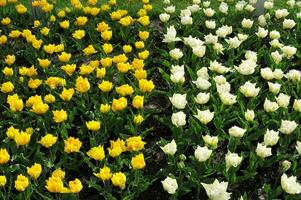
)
(288, 24)
(223, 88)
(206, 4)
(227, 98)
(185, 12)
(262, 151)
(202, 98)
(251, 55)
(171, 35)
(170, 185)
(247, 67)
(178, 100)
(298, 147)
(276, 44)
(250, 115)
(267, 73)
(247, 23)
(242, 37)
(281, 13)
(202, 84)
(234, 42)
(297, 105)
(218, 48)
(270, 106)
(203, 73)
(199, 51)
(287, 126)
(278, 74)
(209, 12)
(210, 24)
(232, 160)
(290, 184)
(210, 141)
(249, 89)
(202, 153)
(236, 131)
(176, 54)
(170, 148)
(217, 190)
(293, 75)
(218, 67)
(204, 116)
(274, 87)
(289, 51)
(223, 31)
(194, 8)
(271, 138)
(170, 9)
(274, 34)
(211, 39)
(178, 119)
(164, 17)
(196, 1)
(283, 100)
(177, 74)
(223, 8)
(220, 79)
(186, 20)
(277, 57)
(249, 8)
(262, 33)
(268, 5)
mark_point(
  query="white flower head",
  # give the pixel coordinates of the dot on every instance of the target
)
(262, 151)
(217, 190)
(170, 185)
(202, 153)
(290, 184)
(271, 138)
(178, 119)
(236, 131)
(232, 160)
(287, 126)
(204, 116)
(178, 100)
(170, 148)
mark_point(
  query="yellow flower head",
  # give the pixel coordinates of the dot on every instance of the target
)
(44, 63)
(39, 108)
(123, 67)
(119, 104)
(102, 26)
(34, 171)
(58, 173)
(138, 102)
(72, 145)
(45, 31)
(75, 186)
(104, 174)
(138, 162)
(4, 156)
(138, 119)
(138, 63)
(106, 62)
(89, 50)
(8, 71)
(2, 180)
(21, 9)
(64, 57)
(105, 108)
(22, 138)
(119, 180)
(140, 74)
(48, 140)
(127, 49)
(117, 147)
(96, 153)
(6, 20)
(21, 183)
(34, 83)
(54, 82)
(56, 185)
(126, 21)
(11, 132)
(146, 86)
(7, 87)
(105, 86)
(86, 69)
(125, 90)
(107, 48)
(82, 84)
(79, 34)
(10, 59)
(69, 68)
(93, 125)
(144, 20)
(143, 54)
(59, 116)
(15, 103)
(49, 98)
(135, 143)
(81, 21)
(143, 35)
(106, 35)
(67, 94)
